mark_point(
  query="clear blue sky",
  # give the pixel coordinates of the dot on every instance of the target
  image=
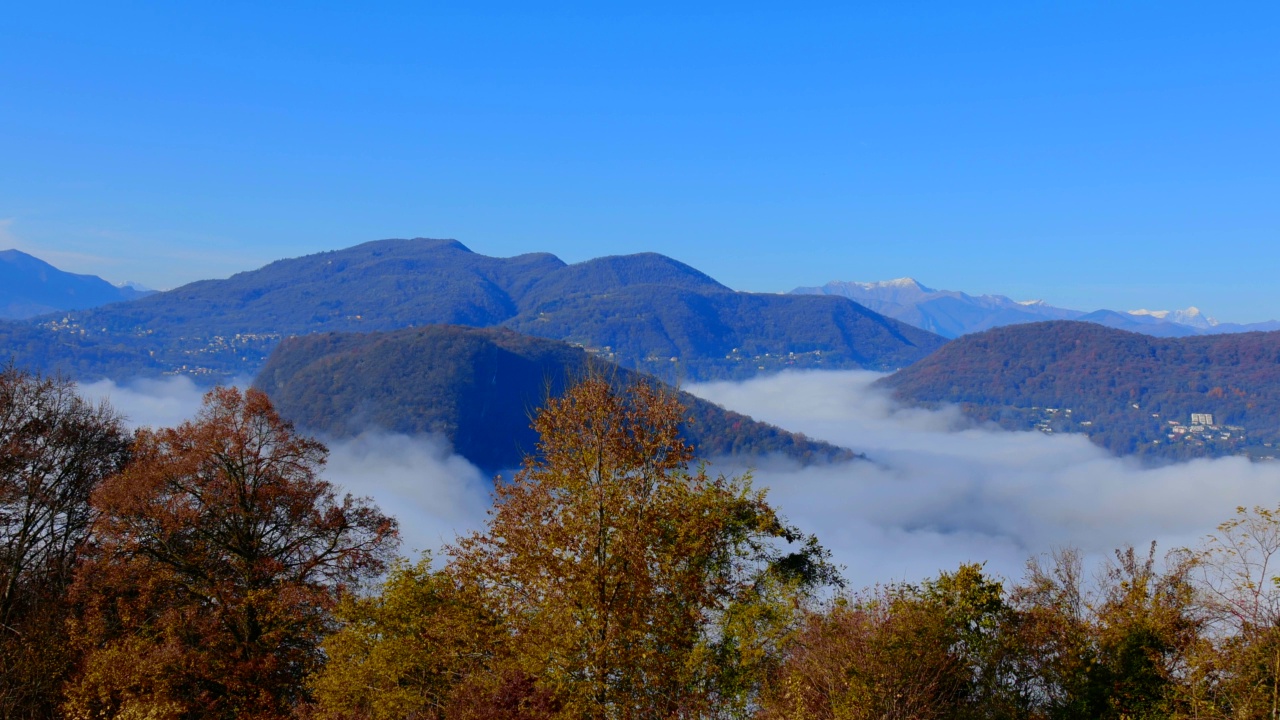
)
(1093, 154)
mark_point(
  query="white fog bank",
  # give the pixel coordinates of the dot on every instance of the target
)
(938, 491)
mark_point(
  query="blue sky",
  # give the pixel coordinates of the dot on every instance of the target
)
(1091, 154)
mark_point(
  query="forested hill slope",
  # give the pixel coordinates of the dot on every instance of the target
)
(644, 311)
(1131, 393)
(378, 285)
(478, 387)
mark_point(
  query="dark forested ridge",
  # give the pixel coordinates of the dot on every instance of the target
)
(643, 311)
(1131, 393)
(478, 387)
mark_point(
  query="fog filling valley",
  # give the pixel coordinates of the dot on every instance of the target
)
(934, 492)
(434, 493)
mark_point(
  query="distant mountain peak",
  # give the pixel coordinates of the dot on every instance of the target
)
(898, 283)
(946, 312)
(952, 313)
(1191, 316)
(1159, 314)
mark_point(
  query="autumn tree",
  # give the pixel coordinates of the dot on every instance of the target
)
(218, 555)
(635, 588)
(1238, 573)
(1052, 648)
(55, 448)
(622, 584)
(419, 646)
(1121, 647)
(1148, 623)
(902, 651)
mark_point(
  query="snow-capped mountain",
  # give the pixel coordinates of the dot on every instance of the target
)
(952, 313)
(949, 313)
(1191, 317)
(136, 287)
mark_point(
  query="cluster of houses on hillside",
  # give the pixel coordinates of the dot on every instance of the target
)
(1202, 429)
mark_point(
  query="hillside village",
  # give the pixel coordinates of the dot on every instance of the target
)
(1197, 432)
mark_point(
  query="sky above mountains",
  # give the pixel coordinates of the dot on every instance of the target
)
(1087, 154)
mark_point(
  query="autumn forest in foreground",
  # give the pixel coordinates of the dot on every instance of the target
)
(208, 571)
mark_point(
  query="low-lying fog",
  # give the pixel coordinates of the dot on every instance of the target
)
(936, 491)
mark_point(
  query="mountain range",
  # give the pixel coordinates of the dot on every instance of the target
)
(478, 387)
(647, 312)
(396, 334)
(952, 313)
(30, 287)
(1207, 395)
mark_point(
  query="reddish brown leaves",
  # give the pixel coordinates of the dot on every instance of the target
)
(220, 553)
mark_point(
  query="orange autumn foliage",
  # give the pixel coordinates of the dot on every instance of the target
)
(219, 555)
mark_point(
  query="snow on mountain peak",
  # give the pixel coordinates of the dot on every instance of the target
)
(1192, 316)
(902, 282)
(897, 283)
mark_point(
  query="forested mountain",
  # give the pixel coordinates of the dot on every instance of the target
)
(1130, 392)
(478, 387)
(644, 311)
(30, 286)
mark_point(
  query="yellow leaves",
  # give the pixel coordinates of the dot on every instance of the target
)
(123, 680)
(401, 652)
(609, 576)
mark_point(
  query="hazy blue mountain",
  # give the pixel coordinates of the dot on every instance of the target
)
(643, 311)
(30, 287)
(1266, 326)
(1130, 392)
(946, 312)
(1145, 324)
(476, 386)
(951, 313)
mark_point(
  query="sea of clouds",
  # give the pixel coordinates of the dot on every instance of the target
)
(935, 492)
(938, 491)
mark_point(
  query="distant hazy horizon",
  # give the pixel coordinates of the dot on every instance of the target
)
(1091, 155)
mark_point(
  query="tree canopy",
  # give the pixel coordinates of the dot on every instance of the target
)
(218, 556)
